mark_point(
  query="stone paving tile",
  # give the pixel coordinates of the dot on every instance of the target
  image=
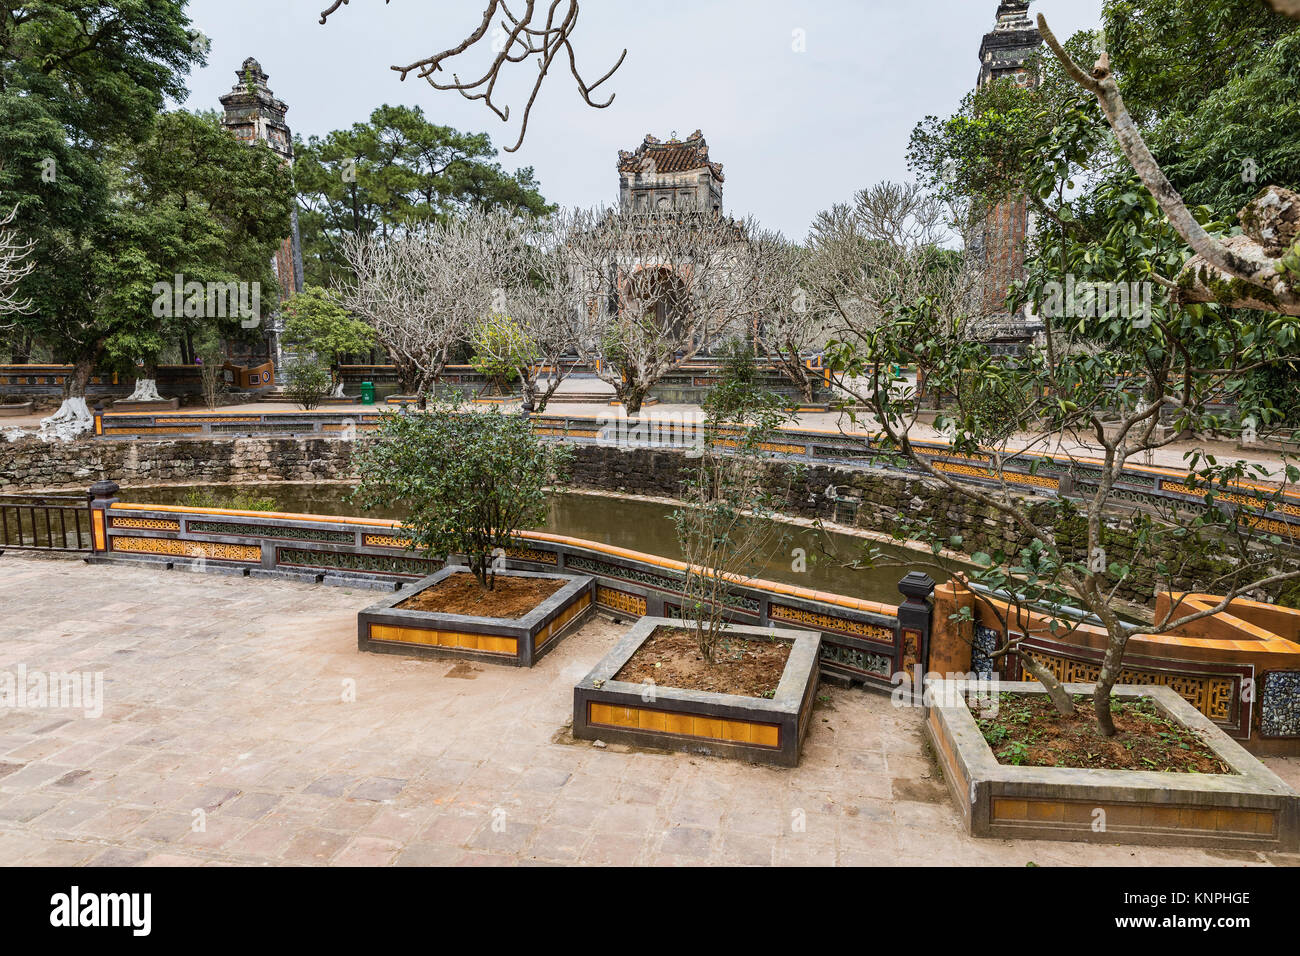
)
(433, 764)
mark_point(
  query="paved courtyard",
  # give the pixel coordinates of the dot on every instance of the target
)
(241, 726)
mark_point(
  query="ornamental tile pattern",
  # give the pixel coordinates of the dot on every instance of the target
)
(1280, 704)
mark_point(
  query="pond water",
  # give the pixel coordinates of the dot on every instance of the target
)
(645, 526)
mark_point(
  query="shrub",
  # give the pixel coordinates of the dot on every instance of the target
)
(309, 382)
(470, 480)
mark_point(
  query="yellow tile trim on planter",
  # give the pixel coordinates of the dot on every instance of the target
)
(188, 549)
(470, 642)
(561, 621)
(1126, 815)
(686, 725)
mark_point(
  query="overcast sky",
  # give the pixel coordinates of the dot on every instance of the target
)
(796, 131)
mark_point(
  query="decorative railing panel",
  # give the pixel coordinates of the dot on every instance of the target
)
(860, 637)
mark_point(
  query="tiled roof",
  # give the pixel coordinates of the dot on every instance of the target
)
(674, 156)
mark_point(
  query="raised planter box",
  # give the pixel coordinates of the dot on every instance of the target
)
(755, 728)
(1252, 809)
(387, 629)
(16, 410)
(123, 407)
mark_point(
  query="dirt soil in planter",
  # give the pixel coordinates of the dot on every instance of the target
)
(1028, 731)
(462, 594)
(671, 658)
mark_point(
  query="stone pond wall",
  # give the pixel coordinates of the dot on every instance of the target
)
(886, 497)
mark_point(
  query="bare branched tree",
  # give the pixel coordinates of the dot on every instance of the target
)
(15, 264)
(517, 39)
(423, 291)
(787, 327)
(1259, 269)
(657, 288)
(542, 324)
(886, 247)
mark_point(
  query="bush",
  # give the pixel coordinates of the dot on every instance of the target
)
(501, 349)
(470, 480)
(309, 382)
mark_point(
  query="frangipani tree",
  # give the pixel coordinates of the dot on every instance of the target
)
(15, 265)
(657, 288)
(787, 326)
(541, 32)
(1114, 379)
(1258, 268)
(534, 321)
(422, 292)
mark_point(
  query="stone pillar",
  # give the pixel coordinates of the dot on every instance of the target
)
(103, 495)
(951, 641)
(99, 419)
(914, 616)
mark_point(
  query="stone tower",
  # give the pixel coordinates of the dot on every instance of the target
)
(676, 175)
(1000, 244)
(254, 115)
(1013, 40)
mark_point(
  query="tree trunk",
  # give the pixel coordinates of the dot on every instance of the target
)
(146, 384)
(632, 398)
(73, 417)
(1055, 690)
(1106, 681)
(806, 390)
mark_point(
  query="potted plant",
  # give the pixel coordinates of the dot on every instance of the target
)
(469, 481)
(707, 680)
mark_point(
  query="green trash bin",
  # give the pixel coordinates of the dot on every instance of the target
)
(367, 393)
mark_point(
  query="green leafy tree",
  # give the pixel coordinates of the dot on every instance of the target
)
(1131, 375)
(501, 348)
(395, 173)
(315, 319)
(308, 381)
(468, 481)
(210, 209)
(80, 80)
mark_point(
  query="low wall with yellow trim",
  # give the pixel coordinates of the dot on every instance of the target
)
(862, 639)
(875, 499)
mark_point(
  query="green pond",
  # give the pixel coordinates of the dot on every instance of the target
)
(645, 526)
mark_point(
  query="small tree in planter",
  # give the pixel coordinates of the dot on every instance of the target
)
(469, 480)
(726, 527)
